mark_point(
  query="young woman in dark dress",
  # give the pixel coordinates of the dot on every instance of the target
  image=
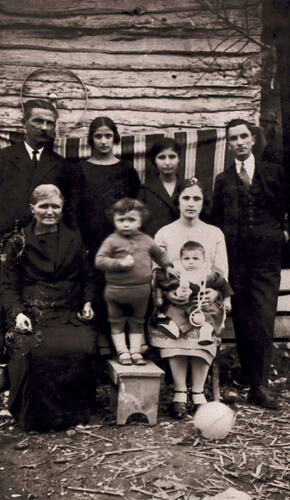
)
(48, 289)
(160, 194)
(102, 180)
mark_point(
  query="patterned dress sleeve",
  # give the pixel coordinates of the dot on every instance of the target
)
(220, 255)
(161, 241)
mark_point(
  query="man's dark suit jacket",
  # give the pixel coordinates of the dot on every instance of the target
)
(16, 184)
(225, 201)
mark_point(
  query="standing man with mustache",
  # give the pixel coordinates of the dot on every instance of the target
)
(249, 207)
(28, 163)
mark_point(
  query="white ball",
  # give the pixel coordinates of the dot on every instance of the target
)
(214, 420)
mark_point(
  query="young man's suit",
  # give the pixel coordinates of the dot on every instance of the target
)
(252, 219)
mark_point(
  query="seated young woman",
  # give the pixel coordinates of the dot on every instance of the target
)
(185, 349)
(47, 291)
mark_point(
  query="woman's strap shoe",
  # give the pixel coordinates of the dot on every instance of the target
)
(178, 410)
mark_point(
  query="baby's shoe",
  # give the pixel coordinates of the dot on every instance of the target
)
(205, 335)
(168, 327)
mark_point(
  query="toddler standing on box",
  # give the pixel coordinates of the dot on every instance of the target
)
(126, 257)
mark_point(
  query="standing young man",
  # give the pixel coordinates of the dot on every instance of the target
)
(249, 207)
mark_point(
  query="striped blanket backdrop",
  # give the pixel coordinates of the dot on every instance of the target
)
(203, 151)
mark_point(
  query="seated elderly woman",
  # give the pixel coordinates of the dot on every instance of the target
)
(47, 292)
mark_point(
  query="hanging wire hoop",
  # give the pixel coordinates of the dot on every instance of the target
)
(54, 67)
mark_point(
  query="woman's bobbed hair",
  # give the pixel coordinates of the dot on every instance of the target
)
(163, 144)
(102, 121)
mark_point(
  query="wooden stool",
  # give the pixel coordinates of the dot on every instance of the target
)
(135, 389)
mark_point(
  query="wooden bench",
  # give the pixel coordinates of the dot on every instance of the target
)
(135, 389)
(281, 332)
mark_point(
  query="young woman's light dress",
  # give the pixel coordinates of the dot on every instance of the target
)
(171, 238)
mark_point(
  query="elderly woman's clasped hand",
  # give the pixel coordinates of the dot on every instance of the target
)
(87, 313)
(23, 323)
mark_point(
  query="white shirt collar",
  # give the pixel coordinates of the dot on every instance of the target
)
(30, 150)
(249, 165)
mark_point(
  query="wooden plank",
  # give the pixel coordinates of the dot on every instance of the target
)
(58, 7)
(128, 79)
(98, 60)
(118, 371)
(282, 328)
(283, 303)
(179, 105)
(285, 280)
(133, 121)
(144, 22)
(76, 40)
(73, 89)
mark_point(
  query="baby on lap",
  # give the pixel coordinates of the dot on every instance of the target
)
(188, 293)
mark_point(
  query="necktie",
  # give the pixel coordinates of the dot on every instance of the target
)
(34, 158)
(244, 175)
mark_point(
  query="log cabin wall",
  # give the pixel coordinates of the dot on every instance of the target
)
(150, 66)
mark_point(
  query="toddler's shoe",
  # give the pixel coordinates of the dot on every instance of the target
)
(124, 358)
(137, 358)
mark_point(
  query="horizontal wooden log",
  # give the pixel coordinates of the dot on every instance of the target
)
(131, 121)
(77, 40)
(182, 105)
(145, 21)
(73, 89)
(127, 79)
(63, 7)
(84, 60)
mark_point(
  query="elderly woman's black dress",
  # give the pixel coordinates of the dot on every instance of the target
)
(47, 277)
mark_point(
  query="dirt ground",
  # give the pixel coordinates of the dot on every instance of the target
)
(169, 461)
